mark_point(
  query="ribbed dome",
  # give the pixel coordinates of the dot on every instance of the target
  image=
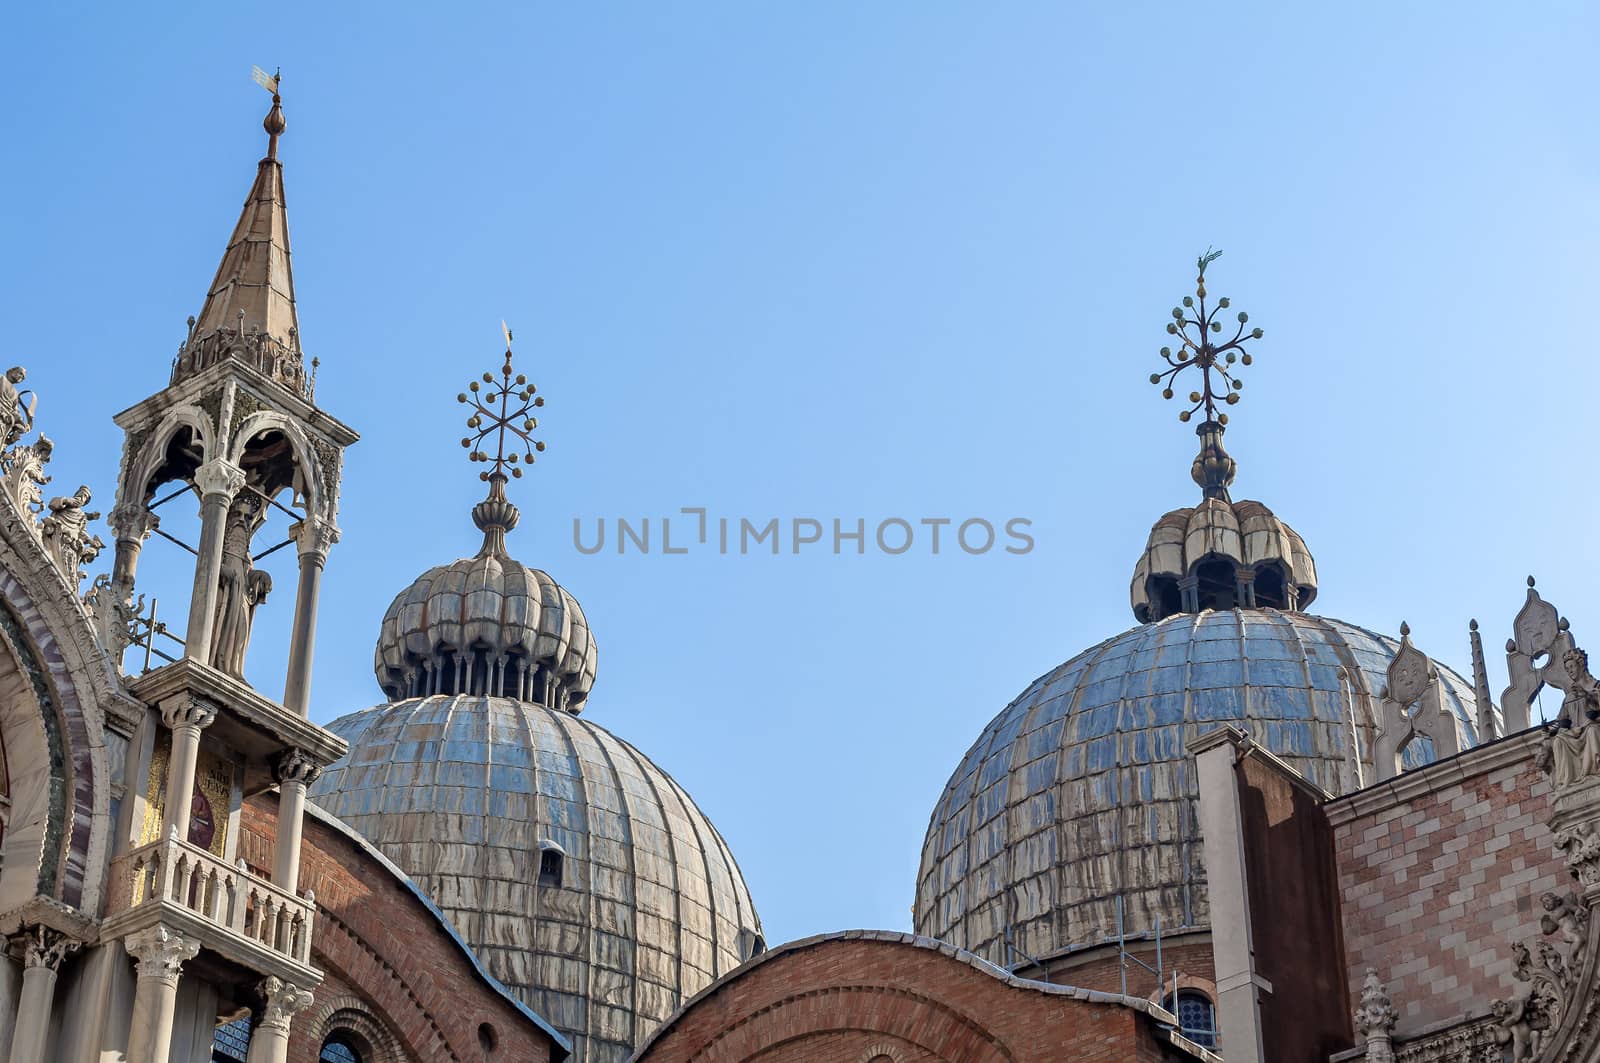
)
(580, 873)
(1239, 550)
(1082, 790)
(487, 625)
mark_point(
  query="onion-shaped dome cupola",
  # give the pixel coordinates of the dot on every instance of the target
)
(581, 873)
(1074, 814)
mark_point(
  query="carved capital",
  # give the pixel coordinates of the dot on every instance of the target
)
(280, 1001)
(219, 479)
(42, 946)
(187, 710)
(314, 537)
(295, 766)
(132, 522)
(161, 952)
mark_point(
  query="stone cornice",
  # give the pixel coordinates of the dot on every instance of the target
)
(190, 388)
(1410, 785)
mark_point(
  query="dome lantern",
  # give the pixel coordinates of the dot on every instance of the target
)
(489, 624)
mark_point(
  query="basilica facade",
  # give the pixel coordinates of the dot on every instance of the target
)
(1238, 830)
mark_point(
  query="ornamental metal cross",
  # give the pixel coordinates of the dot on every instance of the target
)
(1199, 350)
(505, 406)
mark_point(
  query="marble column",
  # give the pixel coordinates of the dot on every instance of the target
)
(218, 482)
(187, 716)
(131, 524)
(294, 771)
(313, 537)
(42, 951)
(161, 954)
(269, 1043)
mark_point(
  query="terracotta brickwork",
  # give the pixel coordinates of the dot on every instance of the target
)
(1440, 871)
(395, 976)
(1188, 956)
(862, 995)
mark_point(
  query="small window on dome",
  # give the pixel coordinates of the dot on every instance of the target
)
(550, 867)
(751, 945)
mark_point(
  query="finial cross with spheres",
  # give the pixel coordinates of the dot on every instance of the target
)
(1199, 350)
(500, 407)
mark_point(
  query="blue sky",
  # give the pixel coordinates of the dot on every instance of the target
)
(852, 260)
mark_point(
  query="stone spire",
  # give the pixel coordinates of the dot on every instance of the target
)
(249, 312)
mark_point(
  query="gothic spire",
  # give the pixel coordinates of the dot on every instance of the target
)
(249, 312)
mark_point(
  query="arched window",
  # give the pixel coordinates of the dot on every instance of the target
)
(1197, 1017)
(339, 1049)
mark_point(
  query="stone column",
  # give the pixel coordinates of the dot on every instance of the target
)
(314, 537)
(131, 523)
(1239, 985)
(42, 950)
(187, 716)
(161, 954)
(269, 1043)
(218, 482)
(294, 771)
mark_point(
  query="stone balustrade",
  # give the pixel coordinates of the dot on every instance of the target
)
(233, 912)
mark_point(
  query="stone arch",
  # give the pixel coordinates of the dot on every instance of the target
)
(882, 1012)
(882, 1051)
(347, 1015)
(305, 454)
(143, 465)
(57, 807)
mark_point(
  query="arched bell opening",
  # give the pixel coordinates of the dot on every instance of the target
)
(1165, 598)
(1215, 584)
(1272, 587)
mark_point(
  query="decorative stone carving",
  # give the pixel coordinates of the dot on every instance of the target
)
(24, 474)
(1581, 846)
(66, 534)
(1474, 1043)
(161, 953)
(241, 587)
(1566, 916)
(42, 946)
(219, 478)
(1375, 1019)
(1570, 753)
(315, 537)
(295, 766)
(1533, 654)
(281, 1001)
(186, 711)
(16, 413)
(1412, 680)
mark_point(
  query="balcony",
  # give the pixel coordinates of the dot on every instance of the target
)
(238, 915)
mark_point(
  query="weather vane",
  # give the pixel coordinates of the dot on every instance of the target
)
(505, 406)
(1200, 351)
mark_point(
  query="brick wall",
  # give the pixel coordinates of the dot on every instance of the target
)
(385, 954)
(1101, 969)
(1440, 871)
(846, 998)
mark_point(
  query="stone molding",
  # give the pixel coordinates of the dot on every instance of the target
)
(1419, 782)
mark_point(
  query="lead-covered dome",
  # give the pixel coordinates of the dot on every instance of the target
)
(489, 625)
(1082, 790)
(582, 874)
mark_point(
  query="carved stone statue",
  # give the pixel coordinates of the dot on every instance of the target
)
(16, 416)
(1582, 703)
(1565, 916)
(66, 534)
(1570, 752)
(242, 586)
(24, 474)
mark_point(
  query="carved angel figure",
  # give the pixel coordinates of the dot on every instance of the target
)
(241, 587)
(24, 474)
(1565, 916)
(16, 415)
(66, 533)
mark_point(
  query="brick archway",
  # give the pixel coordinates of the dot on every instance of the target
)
(793, 1029)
